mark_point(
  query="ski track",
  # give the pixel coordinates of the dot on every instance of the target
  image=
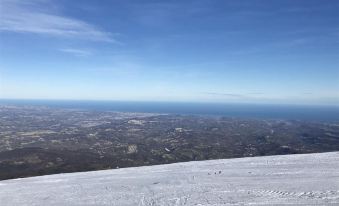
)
(308, 179)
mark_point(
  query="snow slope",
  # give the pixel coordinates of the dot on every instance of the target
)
(310, 179)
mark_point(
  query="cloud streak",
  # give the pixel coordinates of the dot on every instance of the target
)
(226, 94)
(235, 95)
(36, 17)
(77, 52)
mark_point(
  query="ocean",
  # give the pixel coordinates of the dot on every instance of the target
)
(289, 112)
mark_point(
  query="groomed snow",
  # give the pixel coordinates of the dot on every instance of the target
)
(310, 179)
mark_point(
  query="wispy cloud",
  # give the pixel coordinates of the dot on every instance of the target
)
(276, 46)
(234, 95)
(37, 17)
(306, 93)
(77, 52)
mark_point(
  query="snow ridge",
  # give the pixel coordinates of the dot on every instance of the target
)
(307, 179)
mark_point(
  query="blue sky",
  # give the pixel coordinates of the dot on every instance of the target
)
(249, 51)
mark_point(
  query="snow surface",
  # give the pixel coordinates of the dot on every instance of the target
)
(310, 179)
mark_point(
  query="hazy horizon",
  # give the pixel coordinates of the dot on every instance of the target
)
(170, 101)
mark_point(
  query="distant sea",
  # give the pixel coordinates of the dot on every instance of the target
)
(290, 112)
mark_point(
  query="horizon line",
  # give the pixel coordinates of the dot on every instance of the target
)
(170, 101)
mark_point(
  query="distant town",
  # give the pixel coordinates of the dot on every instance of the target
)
(38, 140)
